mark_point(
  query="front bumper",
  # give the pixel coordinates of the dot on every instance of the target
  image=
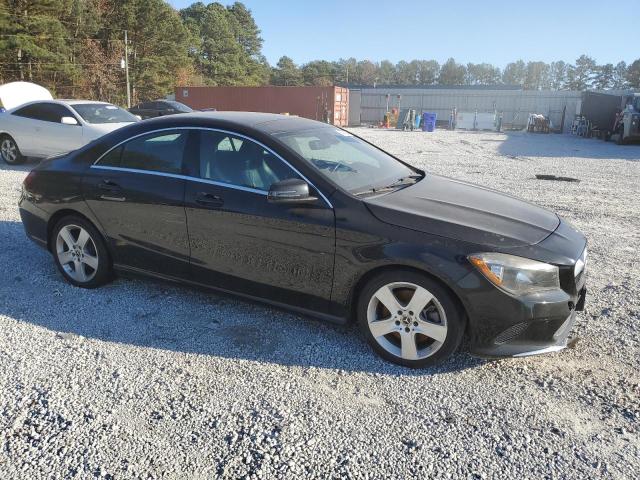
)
(546, 331)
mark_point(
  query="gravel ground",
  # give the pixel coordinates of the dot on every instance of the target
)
(144, 380)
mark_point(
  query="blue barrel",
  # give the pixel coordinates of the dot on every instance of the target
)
(429, 121)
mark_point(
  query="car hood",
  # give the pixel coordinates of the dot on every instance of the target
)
(463, 211)
(14, 94)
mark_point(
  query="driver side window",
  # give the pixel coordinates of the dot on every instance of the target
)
(238, 161)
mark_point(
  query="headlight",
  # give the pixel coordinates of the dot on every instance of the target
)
(516, 275)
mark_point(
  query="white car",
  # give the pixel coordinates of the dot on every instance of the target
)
(52, 127)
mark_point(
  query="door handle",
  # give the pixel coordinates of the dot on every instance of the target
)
(209, 200)
(109, 186)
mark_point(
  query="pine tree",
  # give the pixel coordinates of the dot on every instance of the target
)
(581, 75)
(514, 73)
(452, 73)
(633, 75)
(620, 76)
(286, 73)
(557, 75)
(537, 76)
(35, 43)
(604, 77)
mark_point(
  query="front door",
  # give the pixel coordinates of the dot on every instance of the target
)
(241, 242)
(137, 193)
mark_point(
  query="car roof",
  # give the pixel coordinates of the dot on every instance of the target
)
(73, 101)
(59, 101)
(268, 123)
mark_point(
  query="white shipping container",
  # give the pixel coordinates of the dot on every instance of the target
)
(466, 120)
(485, 121)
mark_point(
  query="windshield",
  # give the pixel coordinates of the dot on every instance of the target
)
(103, 113)
(348, 161)
(181, 107)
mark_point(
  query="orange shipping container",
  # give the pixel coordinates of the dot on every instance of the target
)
(326, 104)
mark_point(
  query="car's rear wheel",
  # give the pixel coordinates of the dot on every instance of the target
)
(410, 319)
(80, 253)
(9, 151)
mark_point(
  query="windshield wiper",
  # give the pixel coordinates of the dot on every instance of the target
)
(405, 181)
(401, 182)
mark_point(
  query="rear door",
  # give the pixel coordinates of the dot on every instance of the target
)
(241, 242)
(137, 193)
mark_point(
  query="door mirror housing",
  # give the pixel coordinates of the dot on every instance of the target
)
(68, 121)
(292, 190)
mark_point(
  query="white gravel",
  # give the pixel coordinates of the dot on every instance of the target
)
(144, 380)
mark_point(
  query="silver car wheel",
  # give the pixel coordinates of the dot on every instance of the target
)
(9, 150)
(407, 320)
(77, 253)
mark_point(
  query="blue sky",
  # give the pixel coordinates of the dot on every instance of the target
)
(468, 30)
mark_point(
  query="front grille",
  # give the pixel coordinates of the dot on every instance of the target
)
(511, 333)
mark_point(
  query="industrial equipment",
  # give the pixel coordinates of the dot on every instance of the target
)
(626, 128)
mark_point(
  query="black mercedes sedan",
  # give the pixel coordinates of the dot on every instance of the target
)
(307, 216)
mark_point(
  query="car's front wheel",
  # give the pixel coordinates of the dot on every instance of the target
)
(80, 253)
(410, 319)
(9, 151)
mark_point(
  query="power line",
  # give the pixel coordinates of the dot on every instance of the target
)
(59, 63)
(48, 17)
(45, 37)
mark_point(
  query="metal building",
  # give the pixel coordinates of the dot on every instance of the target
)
(514, 104)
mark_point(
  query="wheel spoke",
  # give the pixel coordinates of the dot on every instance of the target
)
(65, 257)
(409, 347)
(65, 234)
(80, 274)
(432, 330)
(382, 327)
(91, 261)
(83, 236)
(421, 298)
(388, 299)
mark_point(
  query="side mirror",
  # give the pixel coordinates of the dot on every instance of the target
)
(292, 190)
(68, 121)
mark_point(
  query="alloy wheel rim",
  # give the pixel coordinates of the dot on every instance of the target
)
(77, 253)
(407, 320)
(9, 150)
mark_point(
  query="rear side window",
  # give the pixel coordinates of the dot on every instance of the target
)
(158, 152)
(47, 112)
(113, 158)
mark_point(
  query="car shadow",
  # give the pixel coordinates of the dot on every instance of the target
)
(27, 166)
(522, 144)
(158, 315)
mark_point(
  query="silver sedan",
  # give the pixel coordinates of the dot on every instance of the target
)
(53, 127)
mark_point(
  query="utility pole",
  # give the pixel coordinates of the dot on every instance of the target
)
(126, 68)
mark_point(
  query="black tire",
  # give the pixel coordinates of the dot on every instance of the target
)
(6, 141)
(98, 276)
(455, 317)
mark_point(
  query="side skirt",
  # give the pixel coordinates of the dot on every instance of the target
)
(283, 306)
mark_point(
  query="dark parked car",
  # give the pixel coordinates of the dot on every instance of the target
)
(159, 108)
(305, 215)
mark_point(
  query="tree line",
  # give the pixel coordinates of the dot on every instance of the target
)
(584, 74)
(76, 49)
